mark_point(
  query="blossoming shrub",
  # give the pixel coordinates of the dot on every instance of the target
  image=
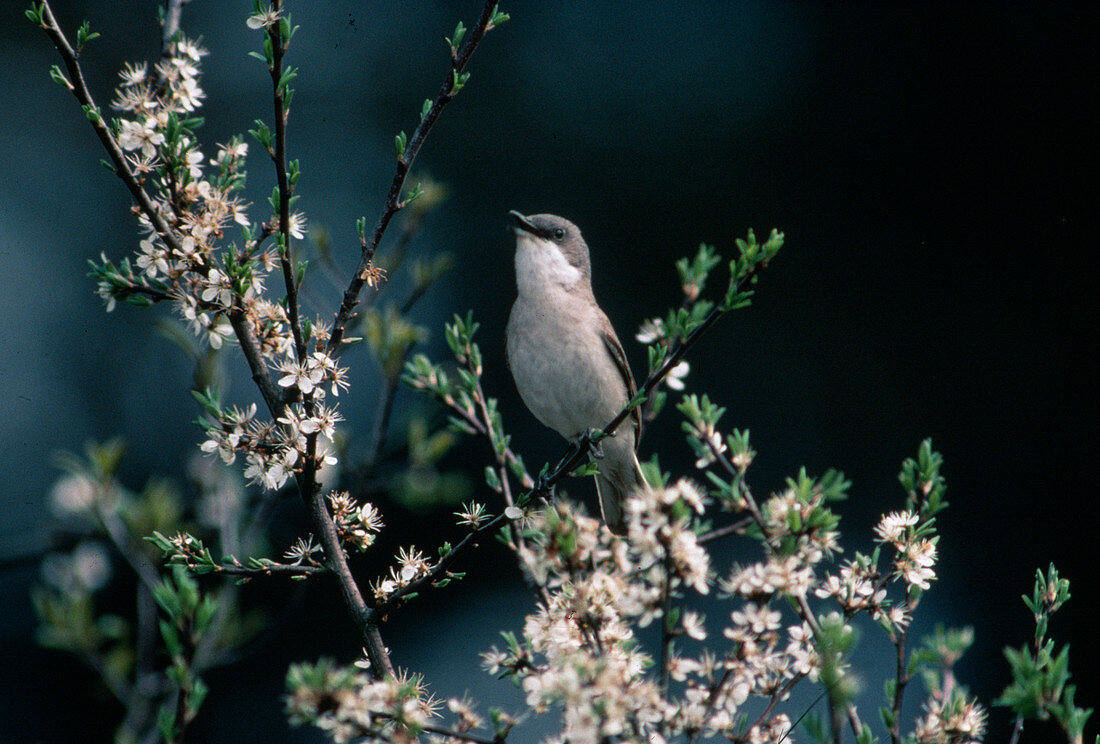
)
(788, 615)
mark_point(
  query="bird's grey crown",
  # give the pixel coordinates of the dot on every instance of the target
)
(559, 231)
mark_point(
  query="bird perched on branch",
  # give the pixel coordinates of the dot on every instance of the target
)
(567, 362)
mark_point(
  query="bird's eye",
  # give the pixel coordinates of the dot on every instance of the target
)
(559, 233)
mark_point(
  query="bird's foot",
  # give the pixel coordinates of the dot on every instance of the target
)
(588, 441)
(543, 486)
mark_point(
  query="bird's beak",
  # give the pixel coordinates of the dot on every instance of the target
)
(522, 223)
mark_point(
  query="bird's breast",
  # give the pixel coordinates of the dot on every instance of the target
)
(561, 364)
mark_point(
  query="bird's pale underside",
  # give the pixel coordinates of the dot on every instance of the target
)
(567, 362)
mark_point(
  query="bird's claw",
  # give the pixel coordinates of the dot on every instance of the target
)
(543, 485)
(586, 441)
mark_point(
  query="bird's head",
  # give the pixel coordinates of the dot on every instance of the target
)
(550, 251)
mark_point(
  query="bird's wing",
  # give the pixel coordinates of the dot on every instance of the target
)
(618, 356)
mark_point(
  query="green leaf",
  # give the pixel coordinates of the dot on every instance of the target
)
(262, 134)
(458, 81)
(413, 195)
(455, 41)
(84, 34)
(287, 77)
(59, 77)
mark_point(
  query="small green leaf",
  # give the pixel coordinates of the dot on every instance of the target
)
(455, 41)
(288, 76)
(492, 479)
(262, 134)
(84, 34)
(458, 81)
(59, 77)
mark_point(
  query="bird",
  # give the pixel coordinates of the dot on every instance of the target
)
(568, 365)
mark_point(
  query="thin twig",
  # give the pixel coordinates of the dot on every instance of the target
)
(431, 729)
(853, 720)
(278, 157)
(438, 571)
(781, 694)
(404, 162)
(470, 419)
(737, 528)
(474, 738)
(268, 570)
(130, 550)
(122, 168)
(1017, 729)
(900, 682)
(448, 732)
(173, 9)
(667, 637)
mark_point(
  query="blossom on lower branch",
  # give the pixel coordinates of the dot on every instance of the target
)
(579, 653)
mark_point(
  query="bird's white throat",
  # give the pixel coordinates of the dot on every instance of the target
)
(540, 265)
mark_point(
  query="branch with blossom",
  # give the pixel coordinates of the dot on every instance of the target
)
(189, 551)
(221, 292)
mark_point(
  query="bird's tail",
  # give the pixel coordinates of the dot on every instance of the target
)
(620, 476)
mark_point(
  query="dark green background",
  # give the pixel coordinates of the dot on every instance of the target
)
(934, 168)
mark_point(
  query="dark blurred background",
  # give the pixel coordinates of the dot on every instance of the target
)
(933, 166)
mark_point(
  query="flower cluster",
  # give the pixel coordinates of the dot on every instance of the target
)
(659, 534)
(579, 648)
(357, 524)
(914, 555)
(411, 565)
(219, 290)
(579, 651)
(350, 705)
(961, 720)
(157, 132)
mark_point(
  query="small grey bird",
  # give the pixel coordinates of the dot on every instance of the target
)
(567, 362)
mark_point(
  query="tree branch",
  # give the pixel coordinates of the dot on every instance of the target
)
(278, 157)
(900, 682)
(404, 162)
(438, 570)
(365, 618)
(173, 9)
(737, 528)
(79, 89)
(250, 347)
